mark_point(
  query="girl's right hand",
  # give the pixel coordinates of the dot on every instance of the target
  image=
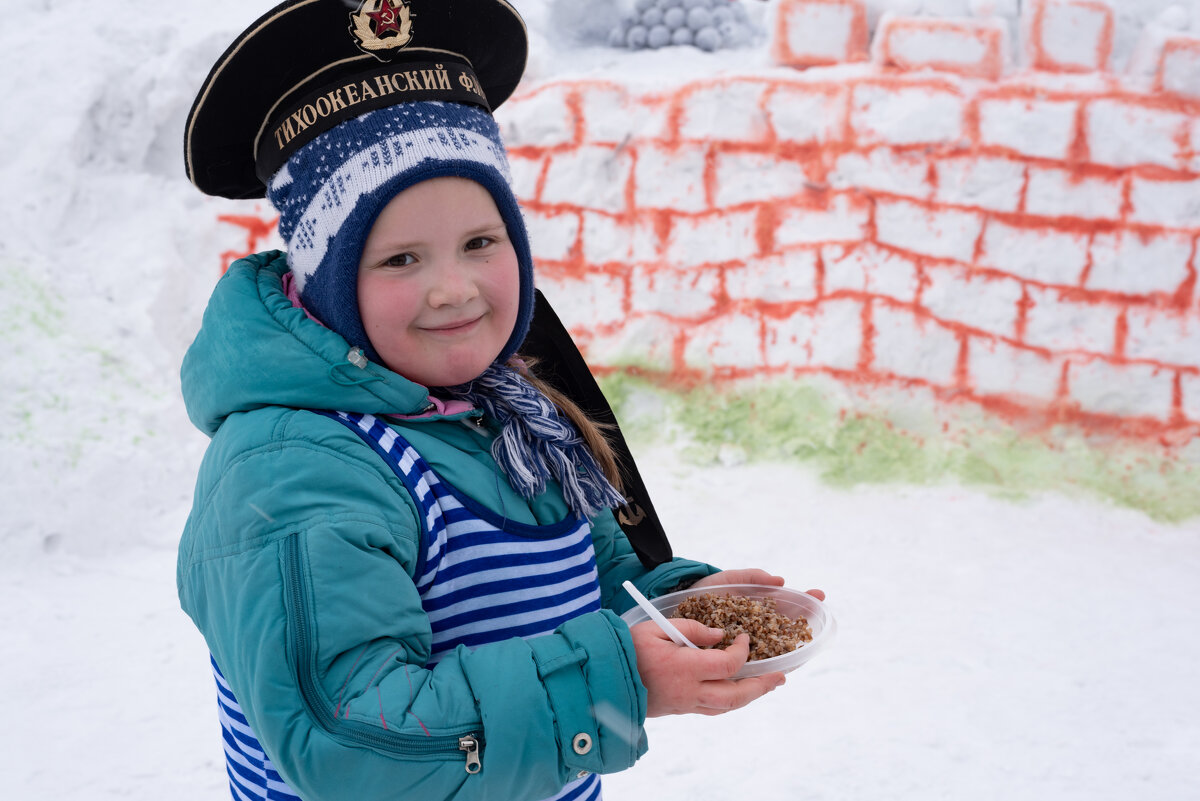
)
(681, 680)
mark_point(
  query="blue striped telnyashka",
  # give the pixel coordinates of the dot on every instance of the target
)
(481, 578)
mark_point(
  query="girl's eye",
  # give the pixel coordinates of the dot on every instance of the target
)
(479, 242)
(399, 260)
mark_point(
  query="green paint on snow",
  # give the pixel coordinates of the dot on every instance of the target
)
(901, 439)
(27, 304)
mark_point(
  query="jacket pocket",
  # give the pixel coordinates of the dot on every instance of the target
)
(466, 745)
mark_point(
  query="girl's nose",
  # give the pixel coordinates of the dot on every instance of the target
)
(454, 285)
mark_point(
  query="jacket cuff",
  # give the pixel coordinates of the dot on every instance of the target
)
(663, 580)
(598, 700)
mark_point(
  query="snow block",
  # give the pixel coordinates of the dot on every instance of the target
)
(1166, 202)
(1121, 133)
(870, 269)
(670, 177)
(733, 341)
(1042, 254)
(1028, 126)
(743, 177)
(944, 233)
(595, 300)
(598, 173)
(991, 184)
(1059, 323)
(726, 111)
(526, 175)
(1055, 192)
(995, 367)
(671, 292)
(887, 113)
(911, 346)
(543, 118)
(843, 219)
(808, 115)
(1190, 384)
(607, 239)
(810, 33)
(970, 47)
(1140, 264)
(883, 169)
(1166, 337)
(1068, 35)
(983, 302)
(779, 278)
(1179, 67)
(1124, 390)
(552, 235)
(612, 117)
(713, 238)
(829, 336)
(647, 341)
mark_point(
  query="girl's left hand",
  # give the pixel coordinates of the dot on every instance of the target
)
(751, 575)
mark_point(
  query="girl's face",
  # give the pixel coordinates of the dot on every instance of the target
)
(439, 283)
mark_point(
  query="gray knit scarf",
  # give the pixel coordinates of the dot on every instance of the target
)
(536, 443)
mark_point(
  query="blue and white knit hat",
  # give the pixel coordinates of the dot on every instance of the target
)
(329, 193)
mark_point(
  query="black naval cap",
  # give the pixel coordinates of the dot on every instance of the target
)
(307, 65)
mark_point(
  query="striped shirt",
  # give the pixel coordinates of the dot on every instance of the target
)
(481, 578)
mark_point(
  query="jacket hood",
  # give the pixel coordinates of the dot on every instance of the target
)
(256, 349)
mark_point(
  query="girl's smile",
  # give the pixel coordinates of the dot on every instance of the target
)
(439, 282)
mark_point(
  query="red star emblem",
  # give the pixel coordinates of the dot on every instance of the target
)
(386, 19)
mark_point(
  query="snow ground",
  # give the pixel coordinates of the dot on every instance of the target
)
(985, 650)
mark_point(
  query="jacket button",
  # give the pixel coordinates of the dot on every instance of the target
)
(582, 743)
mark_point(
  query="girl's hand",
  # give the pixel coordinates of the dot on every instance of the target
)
(681, 680)
(747, 576)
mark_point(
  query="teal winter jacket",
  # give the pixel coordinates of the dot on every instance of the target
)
(297, 561)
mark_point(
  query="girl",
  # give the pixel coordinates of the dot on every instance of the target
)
(402, 553)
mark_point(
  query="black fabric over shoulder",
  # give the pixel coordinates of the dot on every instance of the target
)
(562, 366)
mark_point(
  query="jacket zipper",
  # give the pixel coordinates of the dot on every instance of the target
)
(467, 743)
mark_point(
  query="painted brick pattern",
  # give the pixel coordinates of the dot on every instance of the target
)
(1014, 235)
(1028, 249)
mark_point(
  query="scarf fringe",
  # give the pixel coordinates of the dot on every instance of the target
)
(537, 444)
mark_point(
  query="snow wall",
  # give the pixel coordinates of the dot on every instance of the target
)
(995, 208)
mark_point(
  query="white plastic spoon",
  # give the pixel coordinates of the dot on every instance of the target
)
(675, 634)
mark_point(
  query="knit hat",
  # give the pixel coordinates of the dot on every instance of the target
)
(330, 108)
(332, 189)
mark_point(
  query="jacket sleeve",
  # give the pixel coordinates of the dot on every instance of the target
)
(297, 567)
(617, 562)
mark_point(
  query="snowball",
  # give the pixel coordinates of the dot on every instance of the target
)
(616, 38)
(722, 14)
(699, 18)
(690, 4)
(708, 39)
(652, 17)
(674, 18)
(681, 36)
(637, 36)
(641, 5)
(734, 35)
(659, 36)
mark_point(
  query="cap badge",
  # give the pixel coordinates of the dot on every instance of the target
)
(380, 26)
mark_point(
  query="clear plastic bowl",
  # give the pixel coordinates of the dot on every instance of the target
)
(792, 603)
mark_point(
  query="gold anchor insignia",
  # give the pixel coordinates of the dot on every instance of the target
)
(631, 515)
(381, 25)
